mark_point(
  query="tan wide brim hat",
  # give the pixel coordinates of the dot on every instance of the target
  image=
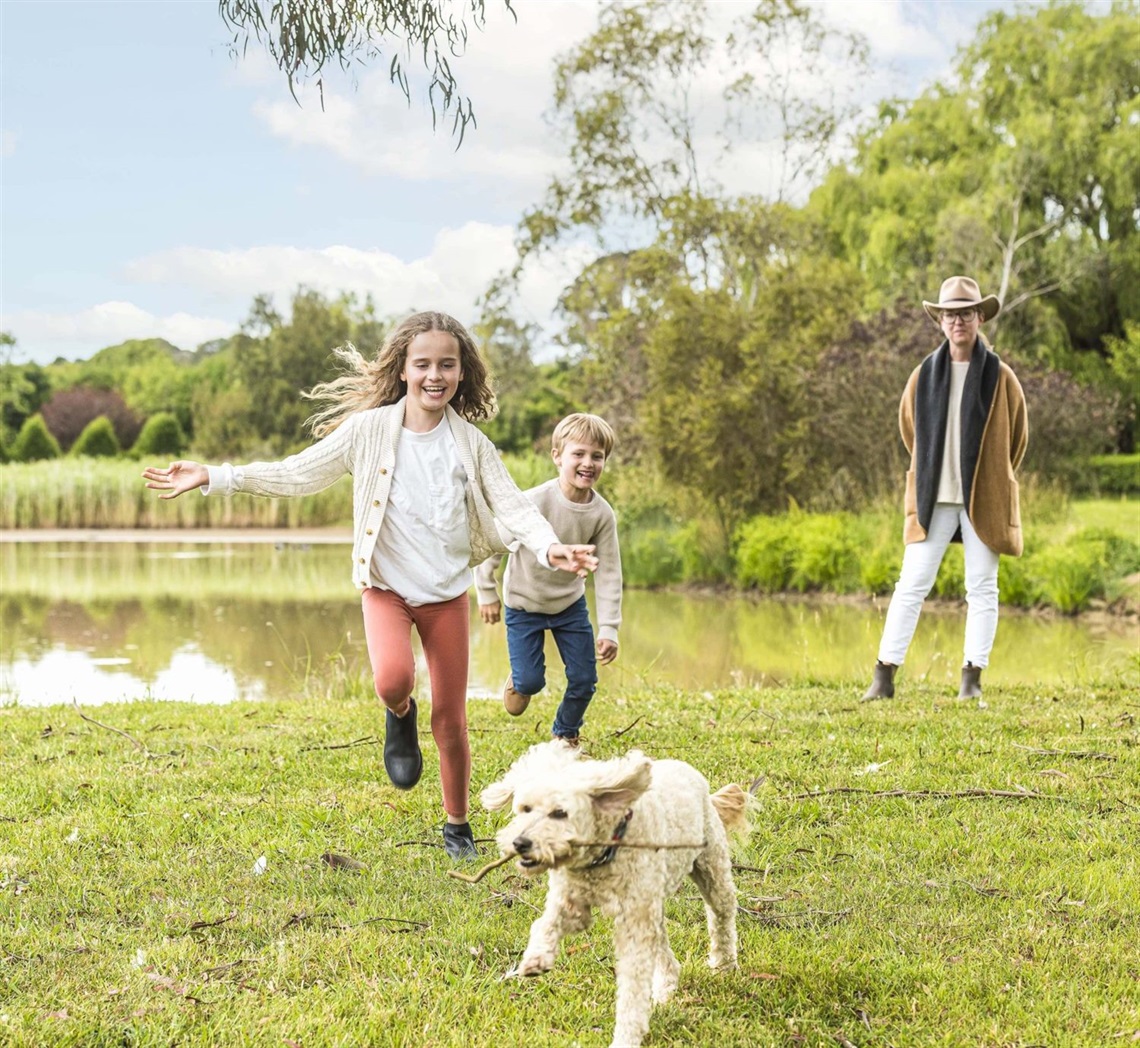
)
(962, 293)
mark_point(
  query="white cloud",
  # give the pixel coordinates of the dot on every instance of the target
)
(507, 72)
(44, 336)
(451, 277)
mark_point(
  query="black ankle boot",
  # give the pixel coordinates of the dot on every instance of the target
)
(971, 682)
(882, 683)
(458, 841)
(402, 758)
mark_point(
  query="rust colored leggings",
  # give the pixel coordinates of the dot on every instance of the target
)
(444, 633)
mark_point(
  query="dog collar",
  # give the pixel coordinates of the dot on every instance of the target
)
(618, 836)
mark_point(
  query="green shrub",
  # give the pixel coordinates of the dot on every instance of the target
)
(764, 554)
(161, 435)
(650, 557)
(951, 580)
(97, 440)
(1016, 586)
(700, 546)
(1070, 575)
(824, 553)
(34, 441)
(880, 566)
(1114, 474)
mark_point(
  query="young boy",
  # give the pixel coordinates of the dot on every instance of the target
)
(538, 599)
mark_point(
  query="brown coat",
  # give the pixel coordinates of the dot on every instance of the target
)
(994, 509)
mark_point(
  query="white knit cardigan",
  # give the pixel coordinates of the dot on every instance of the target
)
(364, 445)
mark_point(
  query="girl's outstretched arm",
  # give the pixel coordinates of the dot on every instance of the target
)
(176, 478)
(578, 559)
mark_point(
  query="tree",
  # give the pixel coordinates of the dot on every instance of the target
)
(97, 440)
(23, 389)
(529, 400)
(1023, 170)
(161, 435)
(34, 442)
(646, 130)
(69, 412)
(305, 37)
(247, 397)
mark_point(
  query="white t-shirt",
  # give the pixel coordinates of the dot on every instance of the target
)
(423, 549)
(950, 480)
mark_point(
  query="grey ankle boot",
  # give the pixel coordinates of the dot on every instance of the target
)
(971, 682)
(882, 683)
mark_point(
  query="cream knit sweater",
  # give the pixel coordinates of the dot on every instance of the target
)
(364, 445)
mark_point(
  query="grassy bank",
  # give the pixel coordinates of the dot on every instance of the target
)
(921, 872)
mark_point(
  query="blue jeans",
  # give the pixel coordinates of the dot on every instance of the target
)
(526, 639)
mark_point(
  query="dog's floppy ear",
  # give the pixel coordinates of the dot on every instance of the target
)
(619, 783)
(498, 794)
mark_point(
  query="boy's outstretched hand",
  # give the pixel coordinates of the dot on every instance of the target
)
(578, 559)
(176, 478)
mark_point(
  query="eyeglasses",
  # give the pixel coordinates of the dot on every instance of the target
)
(963, 315)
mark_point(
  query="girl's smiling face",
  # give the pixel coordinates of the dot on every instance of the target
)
(432, 371)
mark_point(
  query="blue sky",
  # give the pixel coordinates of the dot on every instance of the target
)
(151, 184)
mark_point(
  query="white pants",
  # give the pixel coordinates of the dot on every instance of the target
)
(919, 570)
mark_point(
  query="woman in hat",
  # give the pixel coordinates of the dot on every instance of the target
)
(963, 420)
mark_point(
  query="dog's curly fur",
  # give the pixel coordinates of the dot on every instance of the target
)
(567, 808)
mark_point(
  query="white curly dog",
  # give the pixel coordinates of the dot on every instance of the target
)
(621, 835)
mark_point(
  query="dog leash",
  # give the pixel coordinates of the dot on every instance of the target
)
(607, 856)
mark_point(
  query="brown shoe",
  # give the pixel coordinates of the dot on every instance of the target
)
(515, 701)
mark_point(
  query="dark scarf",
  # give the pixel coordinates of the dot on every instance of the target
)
(931, 408)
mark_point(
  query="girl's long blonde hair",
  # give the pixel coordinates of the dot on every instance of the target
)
(373, 383)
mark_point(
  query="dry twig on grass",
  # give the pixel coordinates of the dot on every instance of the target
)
(1075, 754)
(366, 740)
(118, 731)
(1020, 795)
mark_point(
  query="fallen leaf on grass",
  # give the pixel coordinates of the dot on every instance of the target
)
(762, 975)
(872, 768)
(61, 1014)
(342, 862)
(165, 982)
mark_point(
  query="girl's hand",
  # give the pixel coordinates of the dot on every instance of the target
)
(176, 478)
(578, 559)
(490, 613)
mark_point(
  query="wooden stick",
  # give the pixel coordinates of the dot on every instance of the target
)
(475, 878)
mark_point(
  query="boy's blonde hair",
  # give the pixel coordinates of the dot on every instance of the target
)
(374, 383)
(585, 429)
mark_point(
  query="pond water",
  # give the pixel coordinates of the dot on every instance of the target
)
(98, 622)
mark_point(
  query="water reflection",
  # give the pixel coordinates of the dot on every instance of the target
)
(102, 622)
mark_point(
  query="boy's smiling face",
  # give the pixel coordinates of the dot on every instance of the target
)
(579, 467)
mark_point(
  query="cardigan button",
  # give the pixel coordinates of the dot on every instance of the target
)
(375, 502)
(368, 531)
(383, 471)
(361, 560)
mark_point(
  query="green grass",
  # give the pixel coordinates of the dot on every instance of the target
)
(130, 912)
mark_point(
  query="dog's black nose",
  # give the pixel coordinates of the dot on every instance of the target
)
(521, 844)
